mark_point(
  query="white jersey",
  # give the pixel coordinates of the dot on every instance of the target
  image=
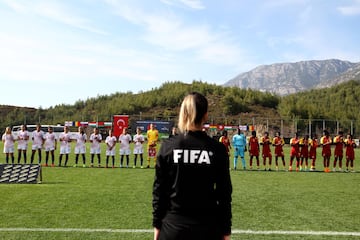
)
(64, 139)
(38, 137)
(8, 140)
(95, 140)
(80, 140)
(23, 139)
(110, 145)
(50, 140)
(138, 140)
(125, 140)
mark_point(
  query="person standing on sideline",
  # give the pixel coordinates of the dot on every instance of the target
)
(312, 152)
(110, 142)
(239, 144)
(9, 145)
(295, 152)
(350, 153)
(338, 152)
(38, 142)
(173, 132)
(125, 140)
(138, 148)
(50, 146)
(80, 147)
(225, 140)
(192, 187)
(254, 150)
(266, 152)
(152, 138)
(304, 152)
(326, 142)
(65, 147)
(22, 143)
(95, 140)
(278, 142)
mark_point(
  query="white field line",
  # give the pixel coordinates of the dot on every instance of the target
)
(235, 231)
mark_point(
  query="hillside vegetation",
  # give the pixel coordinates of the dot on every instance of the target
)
(227, 105)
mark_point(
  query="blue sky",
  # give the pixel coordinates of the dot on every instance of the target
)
(60, 51)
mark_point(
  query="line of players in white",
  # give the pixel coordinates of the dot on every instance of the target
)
(48, 142)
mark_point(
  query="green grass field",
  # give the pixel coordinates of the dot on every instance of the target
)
(99, 203)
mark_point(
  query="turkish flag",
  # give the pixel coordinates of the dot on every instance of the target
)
(119, 123)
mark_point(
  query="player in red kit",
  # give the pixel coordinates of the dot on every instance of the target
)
(266, 152)
(338, 152)
(254, 149)
(295, 151)
(326, 142)
(313, 142)
(278, 142)
(350, 154)
(304, 152)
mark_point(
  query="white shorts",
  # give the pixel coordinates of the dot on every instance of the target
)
(48, 149)
(22, 147)
(138, 151)
(36, 146)
(95, 150)
(110, 152)
(124, 151)
(8, 149)
(80, 150)
(64, 150)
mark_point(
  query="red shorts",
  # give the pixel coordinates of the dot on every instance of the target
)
(254, 153)
(312, 154)
(152, 152)
(326, 153)
(266, 155)
(279, 153)
(338, 153)
(304, 153)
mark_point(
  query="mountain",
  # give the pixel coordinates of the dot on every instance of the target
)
(287, 78)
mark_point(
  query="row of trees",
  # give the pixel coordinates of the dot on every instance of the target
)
(337, 103)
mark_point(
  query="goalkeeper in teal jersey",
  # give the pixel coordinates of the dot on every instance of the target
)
(239, 144)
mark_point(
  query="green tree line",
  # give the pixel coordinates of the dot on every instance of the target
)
(339, 102)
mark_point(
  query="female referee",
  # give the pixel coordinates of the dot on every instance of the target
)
(192, 187)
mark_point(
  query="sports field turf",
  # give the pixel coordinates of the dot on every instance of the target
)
(99, 203)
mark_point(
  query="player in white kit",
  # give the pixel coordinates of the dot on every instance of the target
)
(110, 148)
(80, 147)
(22, 142)
(9, 145)
(124, 140)
(38, 142)
(50, 146)
(65, 140)
(138, 148)
(95, 140)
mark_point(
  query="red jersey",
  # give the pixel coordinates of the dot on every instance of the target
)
(253, 146)
(265, 142)
(313, 145)
(295, 149)
(350, 145)
(225, 140)
(278, 142)
(304, 147)
(326, 144)
(339, 144)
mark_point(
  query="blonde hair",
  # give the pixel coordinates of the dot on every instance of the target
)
(192, 111)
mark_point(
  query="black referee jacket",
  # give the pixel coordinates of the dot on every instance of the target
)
(192, 182)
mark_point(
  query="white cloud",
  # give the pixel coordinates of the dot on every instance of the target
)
(193, 4)
(350, 10)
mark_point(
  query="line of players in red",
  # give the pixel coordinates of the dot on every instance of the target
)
(303, 149)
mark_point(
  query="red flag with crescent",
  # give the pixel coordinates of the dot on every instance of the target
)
(120, 122)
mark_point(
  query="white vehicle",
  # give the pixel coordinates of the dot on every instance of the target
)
(57, 129)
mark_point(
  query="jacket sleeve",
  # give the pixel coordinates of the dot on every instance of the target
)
(160, 198)
(223, 192)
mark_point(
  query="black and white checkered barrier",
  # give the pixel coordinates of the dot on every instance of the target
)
(20, 173)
